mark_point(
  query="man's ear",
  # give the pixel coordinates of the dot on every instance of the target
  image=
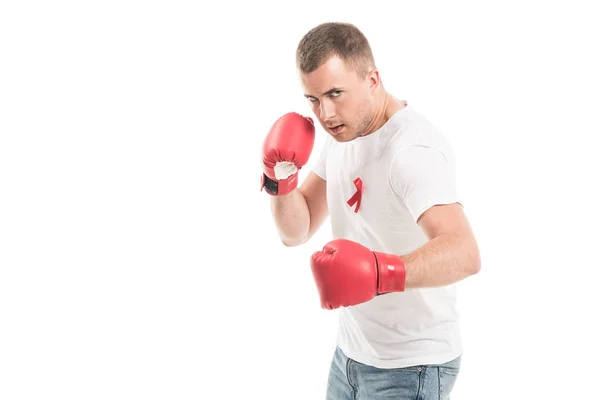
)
(374, 79)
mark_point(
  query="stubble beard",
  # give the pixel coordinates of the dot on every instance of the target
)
(364, 121)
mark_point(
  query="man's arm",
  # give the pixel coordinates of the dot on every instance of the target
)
(299, 214)
(347, 273)
(450, 255)
(424, 179)
(298, 210)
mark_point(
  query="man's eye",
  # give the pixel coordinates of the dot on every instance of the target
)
(336, 93)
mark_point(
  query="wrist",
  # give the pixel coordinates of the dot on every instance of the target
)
(391, 273)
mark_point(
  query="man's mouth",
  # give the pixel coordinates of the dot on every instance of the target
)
(337, 128)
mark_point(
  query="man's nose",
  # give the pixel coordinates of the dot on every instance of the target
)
(327, 110)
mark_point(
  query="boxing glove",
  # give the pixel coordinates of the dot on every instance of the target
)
(347, 273)
(286, 149)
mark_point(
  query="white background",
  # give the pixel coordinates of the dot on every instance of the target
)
(138, 258)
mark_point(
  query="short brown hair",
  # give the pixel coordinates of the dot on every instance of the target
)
(334, 39)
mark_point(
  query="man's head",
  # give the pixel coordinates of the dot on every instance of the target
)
(338, 75)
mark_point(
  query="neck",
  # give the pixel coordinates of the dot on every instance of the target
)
(386, 108)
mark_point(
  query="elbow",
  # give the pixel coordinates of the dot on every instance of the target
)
(474, 262)
(469, 256)
(475, 267)
(293, 242)
(289, 243)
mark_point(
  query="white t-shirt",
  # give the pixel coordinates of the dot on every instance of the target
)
(406, 167)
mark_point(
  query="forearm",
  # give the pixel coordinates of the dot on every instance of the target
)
(443, 260)
(292, 217)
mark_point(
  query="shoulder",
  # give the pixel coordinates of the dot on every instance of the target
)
(423, 176)
(418, 140)
(423, 157)
(416, 160)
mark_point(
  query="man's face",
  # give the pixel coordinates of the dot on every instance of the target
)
(340, 99)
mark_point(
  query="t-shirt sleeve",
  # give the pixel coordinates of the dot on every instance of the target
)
(422, 177)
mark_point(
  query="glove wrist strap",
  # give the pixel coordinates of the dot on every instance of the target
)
(279, 188)
(391, 273)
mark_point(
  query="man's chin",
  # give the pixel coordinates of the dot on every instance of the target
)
(345, 137)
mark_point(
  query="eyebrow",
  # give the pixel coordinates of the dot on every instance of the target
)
(335, 89)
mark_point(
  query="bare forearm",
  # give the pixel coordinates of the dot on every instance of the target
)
(443, 260)
(292, 217)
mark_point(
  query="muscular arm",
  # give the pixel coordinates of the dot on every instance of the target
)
(450, 255)
(300, 213)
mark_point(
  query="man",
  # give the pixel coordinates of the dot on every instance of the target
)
(386, 178)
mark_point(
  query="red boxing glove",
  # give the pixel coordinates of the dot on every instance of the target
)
(286, 149)
(347, 273)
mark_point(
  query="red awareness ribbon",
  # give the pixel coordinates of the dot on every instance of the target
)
(355, 199)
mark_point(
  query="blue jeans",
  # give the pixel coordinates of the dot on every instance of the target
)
(351, 380)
